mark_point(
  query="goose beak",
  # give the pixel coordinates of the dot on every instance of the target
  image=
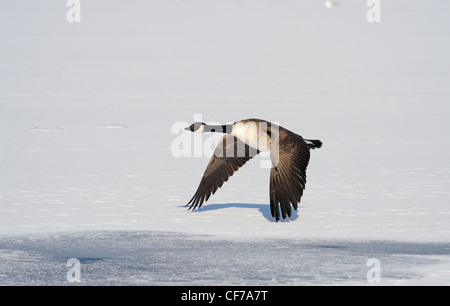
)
(187, 128)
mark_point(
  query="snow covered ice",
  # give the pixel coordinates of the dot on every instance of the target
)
(86, 169)
(168, 258)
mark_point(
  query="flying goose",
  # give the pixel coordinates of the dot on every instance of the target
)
(289, 154)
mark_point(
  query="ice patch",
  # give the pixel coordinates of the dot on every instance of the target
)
(162, 258)
(113, 126)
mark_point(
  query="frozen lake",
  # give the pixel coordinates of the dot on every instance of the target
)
(87, 117)
(167, 258)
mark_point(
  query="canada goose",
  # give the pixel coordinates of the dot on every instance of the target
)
(289, 154)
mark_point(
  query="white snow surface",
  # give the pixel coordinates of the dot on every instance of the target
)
(87, 112)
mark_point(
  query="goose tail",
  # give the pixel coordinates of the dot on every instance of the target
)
(313, 143)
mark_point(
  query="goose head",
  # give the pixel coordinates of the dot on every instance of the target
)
(196, 127)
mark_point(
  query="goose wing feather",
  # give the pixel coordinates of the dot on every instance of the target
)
(230, 154)
(288, 174)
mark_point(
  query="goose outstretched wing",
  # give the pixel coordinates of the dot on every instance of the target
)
(288, 174)
(230, 154)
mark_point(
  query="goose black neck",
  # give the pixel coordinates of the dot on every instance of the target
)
(218, 128)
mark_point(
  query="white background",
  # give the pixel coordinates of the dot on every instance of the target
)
(86, 111)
